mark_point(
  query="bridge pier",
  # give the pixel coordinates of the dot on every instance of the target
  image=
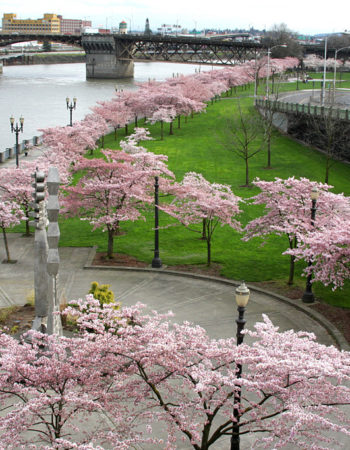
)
(107, 58)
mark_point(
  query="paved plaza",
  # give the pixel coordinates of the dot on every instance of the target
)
(208, 302)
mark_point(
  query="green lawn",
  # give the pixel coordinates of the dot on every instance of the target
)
(195, 147)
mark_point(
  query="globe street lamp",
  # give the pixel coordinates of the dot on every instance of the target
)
(16, 129)
(242, 294)
(308, 296)
(268, 66)
(71, 106)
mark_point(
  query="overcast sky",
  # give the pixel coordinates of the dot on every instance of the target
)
(302, 16)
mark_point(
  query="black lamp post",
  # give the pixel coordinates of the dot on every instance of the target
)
(242, 298)
(16, 129)
(308, 296)
(156, 261)
(71, 106)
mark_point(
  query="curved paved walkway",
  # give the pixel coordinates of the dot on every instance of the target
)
(208, 302)
(342, 97)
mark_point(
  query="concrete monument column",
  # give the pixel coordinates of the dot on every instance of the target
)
(54, 324)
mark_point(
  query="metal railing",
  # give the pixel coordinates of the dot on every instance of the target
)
(311, 110)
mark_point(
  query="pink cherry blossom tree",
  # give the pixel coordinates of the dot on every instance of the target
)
(15, 186)
(114, 189)
(287, 210)
(130, 144)
(163, 114)
(51, 382)
(10, 215)
(199, 201)
(142, 366)
(328, 248)
(115, 113)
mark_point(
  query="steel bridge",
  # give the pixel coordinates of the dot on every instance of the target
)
(153, 47)
(113, 55)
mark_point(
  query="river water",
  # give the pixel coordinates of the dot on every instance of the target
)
(38, 92)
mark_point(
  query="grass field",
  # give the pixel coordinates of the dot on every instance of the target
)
(195, 147)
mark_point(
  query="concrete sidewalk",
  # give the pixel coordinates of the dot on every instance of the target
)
(33, 154)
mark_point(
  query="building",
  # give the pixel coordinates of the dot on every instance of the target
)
(170, 29)
(50, 23)
(73, 26)
(123, 28)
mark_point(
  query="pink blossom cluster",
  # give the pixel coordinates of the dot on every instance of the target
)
(115, 188)
(328, 248)
(10, 214)
(196, 200)
(324, 241)
(138, 369)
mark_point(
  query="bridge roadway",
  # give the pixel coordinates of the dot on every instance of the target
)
(341, 97)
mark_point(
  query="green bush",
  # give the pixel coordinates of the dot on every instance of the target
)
(102, 292)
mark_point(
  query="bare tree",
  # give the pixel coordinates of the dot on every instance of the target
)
(328, 133)
(280, 34)
(243, 135)
(270, 122)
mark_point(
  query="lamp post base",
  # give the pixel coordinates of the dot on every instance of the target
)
(308, 297)
(156, 262)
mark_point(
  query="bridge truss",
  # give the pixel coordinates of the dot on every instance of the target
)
(190, 50)
(153, 47)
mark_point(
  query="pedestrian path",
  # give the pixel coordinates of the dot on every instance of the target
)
(206, 301)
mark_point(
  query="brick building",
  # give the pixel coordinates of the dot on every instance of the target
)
(73, 26)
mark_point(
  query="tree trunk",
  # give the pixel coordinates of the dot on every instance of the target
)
(110, 244)
(26, 212)
(126, 129)
(328, 164)
(115, 133)
(6, 245)
(179, 121)
(103, 141)
(269, 151)
(135, 121)
(246, 172)
(291, 270)
(204, 229)
(171, 128)
(161, 130)
(208, 251)
(292, 244)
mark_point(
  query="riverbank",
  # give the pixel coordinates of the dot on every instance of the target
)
(45, 58)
